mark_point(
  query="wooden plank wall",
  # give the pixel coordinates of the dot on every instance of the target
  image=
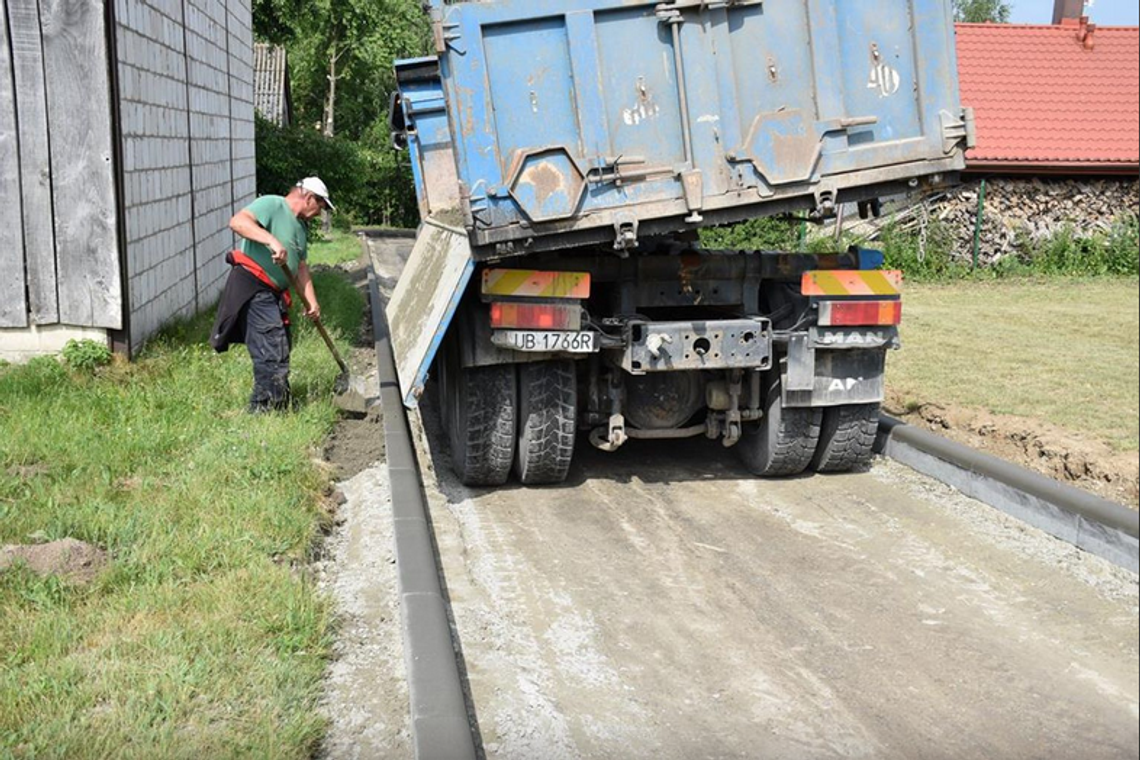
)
(182, 93)
(13, 302)
(82, 162)
(35, 160)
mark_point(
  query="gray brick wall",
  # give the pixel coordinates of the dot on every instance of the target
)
(185, 87)
(208, 55)
(241, 101)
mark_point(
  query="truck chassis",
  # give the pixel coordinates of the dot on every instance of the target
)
(676, 342)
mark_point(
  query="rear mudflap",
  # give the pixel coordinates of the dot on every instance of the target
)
(834, 370)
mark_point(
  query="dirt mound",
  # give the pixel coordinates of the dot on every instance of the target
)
(74, 560)
(28, 471)
(1048, 449)
(356, 444)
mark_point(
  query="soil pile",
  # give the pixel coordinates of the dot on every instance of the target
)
(70, 559)
(1050, 450)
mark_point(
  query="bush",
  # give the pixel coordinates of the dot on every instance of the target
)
(765, 234)
(368, 185)
(1065, 253)
(86, 355)
(919, 257)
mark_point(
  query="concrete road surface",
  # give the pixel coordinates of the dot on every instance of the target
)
(666, 604)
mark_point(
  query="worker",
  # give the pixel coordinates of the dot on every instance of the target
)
(254, 309)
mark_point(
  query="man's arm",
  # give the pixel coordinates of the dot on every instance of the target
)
(245, 224)
(305, 280)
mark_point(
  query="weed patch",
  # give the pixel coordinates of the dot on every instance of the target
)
(333, 249)
(86, 355)
(931, 253)
(199, 638)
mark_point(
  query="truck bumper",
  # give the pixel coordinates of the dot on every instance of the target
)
(701, 345)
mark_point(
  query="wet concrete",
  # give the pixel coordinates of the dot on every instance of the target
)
(666, 604)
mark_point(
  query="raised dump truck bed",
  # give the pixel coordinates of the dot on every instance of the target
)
(566, 154)
(583, 121)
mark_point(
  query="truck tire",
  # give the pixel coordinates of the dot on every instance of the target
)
(784, 441)
(847, 439)
(480, 405)
(548, 421)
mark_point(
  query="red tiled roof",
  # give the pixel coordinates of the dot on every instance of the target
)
(1043, 98)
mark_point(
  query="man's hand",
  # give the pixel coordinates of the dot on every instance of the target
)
(245, 224)
(280, 255)
(314, 311)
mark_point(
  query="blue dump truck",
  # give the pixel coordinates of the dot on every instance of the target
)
(567, 153)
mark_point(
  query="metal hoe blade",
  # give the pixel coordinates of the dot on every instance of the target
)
(355, 394)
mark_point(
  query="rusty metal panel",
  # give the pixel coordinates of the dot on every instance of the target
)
(428, 294)
(700, 345)
(566, 116)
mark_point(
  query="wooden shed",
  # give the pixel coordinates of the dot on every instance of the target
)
(272, 95)
(126, 143)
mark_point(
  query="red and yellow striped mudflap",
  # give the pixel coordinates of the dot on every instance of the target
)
(527, 283)
(852, 283)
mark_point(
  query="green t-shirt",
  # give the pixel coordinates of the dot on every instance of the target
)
(274, 214)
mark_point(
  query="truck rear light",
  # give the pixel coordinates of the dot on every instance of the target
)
(859, 313)
(531, 316)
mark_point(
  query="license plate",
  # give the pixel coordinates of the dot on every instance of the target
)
(546, 342)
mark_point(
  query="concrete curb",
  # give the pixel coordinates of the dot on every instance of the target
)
(385, 232)
(440, 724)
(1098, 526)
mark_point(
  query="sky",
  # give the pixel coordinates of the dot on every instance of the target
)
(1103, 12)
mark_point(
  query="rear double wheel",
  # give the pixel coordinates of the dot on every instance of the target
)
(548, 418)
(784, 441)
(480, 411)
(847, 438)
(510, 417)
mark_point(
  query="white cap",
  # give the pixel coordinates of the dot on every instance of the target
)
(315, 186)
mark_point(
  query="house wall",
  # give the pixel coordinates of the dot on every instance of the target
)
(156, 171)
(243, 145)
(132, 231)
(59, 251)
(188, 64)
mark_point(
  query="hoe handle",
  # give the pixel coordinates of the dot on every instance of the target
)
(320, 327)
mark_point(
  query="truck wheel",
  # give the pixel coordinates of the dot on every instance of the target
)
(847, 440)
(548, 420)
(480, 418)
(784, 441)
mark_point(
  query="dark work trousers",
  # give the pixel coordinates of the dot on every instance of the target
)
(269, 342)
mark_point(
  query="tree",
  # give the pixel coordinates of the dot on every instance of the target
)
(340, 59)
(982, 11)
(341, 54)
(277, 21)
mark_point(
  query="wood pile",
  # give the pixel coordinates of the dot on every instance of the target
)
(1018, 212)
(1021, 212)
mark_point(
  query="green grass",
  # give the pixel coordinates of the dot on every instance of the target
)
(1059, 350)
(335, 248)
(201, 638)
